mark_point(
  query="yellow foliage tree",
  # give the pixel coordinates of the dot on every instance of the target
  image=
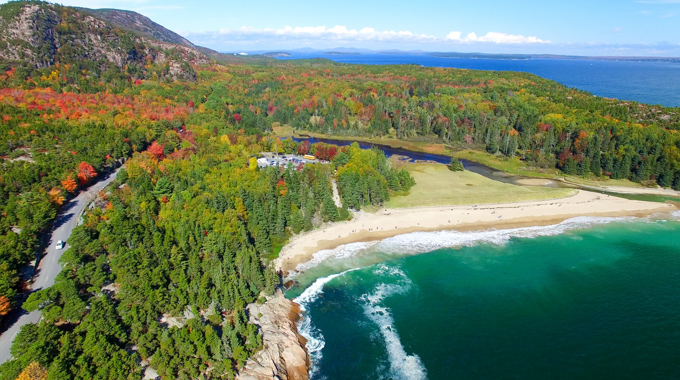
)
(34, 371)
(56, 197)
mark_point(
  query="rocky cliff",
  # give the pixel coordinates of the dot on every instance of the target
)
(283, 355)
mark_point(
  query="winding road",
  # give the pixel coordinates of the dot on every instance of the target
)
(49, 266)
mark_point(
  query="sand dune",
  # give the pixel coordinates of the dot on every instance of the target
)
(391, 222)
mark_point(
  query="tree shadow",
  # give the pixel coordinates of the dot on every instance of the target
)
(61, 220)
(17, 312)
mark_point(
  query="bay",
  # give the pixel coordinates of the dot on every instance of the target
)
(640, 81)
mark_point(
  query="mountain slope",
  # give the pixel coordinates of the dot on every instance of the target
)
(135, 22)
(40, 34)
(143, 26)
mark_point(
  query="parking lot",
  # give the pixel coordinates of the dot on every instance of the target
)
(272, 159)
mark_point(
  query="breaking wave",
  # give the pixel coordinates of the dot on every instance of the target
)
(675, 215)
(342, 252)
(402, 365)
(315, 339)
(422, 242)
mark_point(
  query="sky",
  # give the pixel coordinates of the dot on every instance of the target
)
(578, 27)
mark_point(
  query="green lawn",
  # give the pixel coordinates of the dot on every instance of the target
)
(436, 185)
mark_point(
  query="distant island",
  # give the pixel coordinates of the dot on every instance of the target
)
(341, 53)
(551, 56)
(277, 54)
(346, 51)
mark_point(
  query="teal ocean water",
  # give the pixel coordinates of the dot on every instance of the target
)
(589, 298)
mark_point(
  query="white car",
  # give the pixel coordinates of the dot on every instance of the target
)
(60, 245)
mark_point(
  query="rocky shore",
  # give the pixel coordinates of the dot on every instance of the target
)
(283, 355)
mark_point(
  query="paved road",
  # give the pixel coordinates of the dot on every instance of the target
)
(49, 266)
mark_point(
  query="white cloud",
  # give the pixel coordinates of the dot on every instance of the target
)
(336, 33)
(495, 37)
(342, 34)
(453, 36)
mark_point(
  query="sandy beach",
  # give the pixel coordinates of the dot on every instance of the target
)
(391, 222)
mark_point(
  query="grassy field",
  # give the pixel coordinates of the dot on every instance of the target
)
(436, 185)
(604, 181)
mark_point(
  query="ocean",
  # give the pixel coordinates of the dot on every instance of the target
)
(587, 298)
(644, 82)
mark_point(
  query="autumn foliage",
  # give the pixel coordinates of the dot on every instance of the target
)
(325, 152)
(157, 150)
(85, 172)
(69, 184)
(56, 198)
(34, 371)
(303, 148)
(5, 306)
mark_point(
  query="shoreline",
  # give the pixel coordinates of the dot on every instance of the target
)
(387, 223)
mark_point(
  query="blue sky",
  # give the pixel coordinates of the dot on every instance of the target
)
(584, 27)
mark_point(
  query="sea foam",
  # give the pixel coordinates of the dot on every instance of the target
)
(315, 339)
(344, 251)
(402, 365)
(421, 242)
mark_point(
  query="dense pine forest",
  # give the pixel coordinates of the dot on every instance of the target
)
(188, 229)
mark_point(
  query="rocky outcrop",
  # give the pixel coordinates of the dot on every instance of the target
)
(283, 355)
(141, 24)
(42, 34)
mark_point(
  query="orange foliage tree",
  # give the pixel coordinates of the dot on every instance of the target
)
(5, 306)
(69, 184)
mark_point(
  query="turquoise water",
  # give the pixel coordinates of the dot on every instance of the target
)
(589, 298)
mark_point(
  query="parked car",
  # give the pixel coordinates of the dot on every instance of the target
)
(60, 245)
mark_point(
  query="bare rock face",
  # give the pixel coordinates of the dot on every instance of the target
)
(283, 355)
(42, 34)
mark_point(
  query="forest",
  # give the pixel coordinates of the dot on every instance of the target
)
(186, 233)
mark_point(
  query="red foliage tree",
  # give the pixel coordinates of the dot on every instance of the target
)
(325, 152)
(85, 172)
(82, 179)
(303, 148)
(237, 118)
(157, 150)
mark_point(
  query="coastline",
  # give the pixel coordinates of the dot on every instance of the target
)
(387, 223)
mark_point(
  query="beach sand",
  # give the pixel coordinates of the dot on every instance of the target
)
(391, 222)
